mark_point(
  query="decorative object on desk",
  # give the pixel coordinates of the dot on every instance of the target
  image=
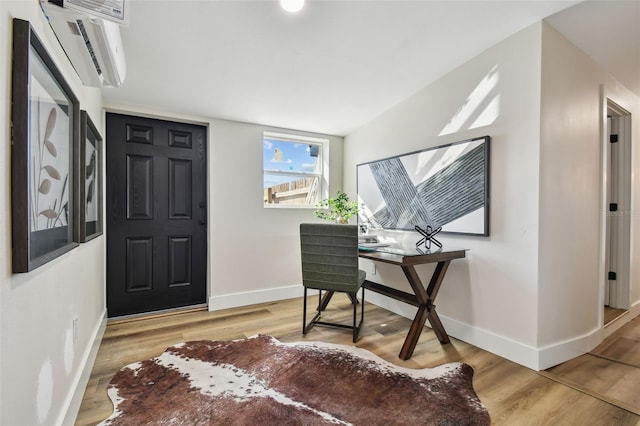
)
(340, 208)
(363, 228)
(368, 239)
(260, 380)
(444, 186)
(428, 237)
(372, 241)
(45, 122)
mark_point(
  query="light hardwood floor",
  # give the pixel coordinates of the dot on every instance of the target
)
(610, 314)
(514, 395)
(611, 371)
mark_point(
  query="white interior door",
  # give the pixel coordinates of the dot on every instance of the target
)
(612, 214)
(618, 188)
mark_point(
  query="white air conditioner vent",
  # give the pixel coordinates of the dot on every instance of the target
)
(92, 44)
(73, 27)
(87, 43)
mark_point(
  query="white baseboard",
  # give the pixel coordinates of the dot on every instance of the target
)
(528, 356)
(235, 300)
(510, 349)
(560, 352)
(563, 351)
(74, 400)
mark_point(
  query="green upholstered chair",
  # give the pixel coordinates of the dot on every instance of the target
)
(330, 264)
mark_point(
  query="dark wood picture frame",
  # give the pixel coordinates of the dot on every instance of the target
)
(45, 117)
(443, 186)
(89, 184)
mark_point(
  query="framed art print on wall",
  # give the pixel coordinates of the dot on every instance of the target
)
(444, 186)
(45, 119)
(89, 176)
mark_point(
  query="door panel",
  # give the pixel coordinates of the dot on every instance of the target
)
(139, 181)
(180, 189)
(139, 261)
(156, 211)
(179, 261)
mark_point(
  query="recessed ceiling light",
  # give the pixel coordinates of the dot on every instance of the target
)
(292, 6)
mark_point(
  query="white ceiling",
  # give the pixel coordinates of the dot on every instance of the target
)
(609, 31)
(337, 64)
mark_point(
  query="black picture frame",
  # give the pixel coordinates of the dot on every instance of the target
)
(45, 125)
(89, 181)
(444, 186)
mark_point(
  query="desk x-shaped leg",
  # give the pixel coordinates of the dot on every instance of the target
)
(426, 308)
(326, 298)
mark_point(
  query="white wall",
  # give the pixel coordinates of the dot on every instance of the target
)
(255, 251)
(490, 298)
(40, 366)
(254, 254)
(614, 92)
(531, 291)
(571, 207)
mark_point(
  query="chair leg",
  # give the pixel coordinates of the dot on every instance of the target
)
(353, 298)
(304, 312)
(308, 326)
(361, 310)
(356, 329)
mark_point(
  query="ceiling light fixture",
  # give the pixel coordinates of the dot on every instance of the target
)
(292, 6)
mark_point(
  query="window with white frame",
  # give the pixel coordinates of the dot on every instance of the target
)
(296, 170)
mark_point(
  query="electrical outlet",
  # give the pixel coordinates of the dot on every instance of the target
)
(75, 329)
(372, 268)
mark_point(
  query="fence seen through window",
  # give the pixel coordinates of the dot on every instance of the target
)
(294, 169)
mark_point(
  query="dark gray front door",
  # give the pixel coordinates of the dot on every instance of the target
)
(155, 214)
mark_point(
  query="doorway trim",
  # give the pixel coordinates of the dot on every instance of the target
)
(615, 238)
(146, 112)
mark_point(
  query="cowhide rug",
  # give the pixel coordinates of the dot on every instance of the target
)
(261, 381)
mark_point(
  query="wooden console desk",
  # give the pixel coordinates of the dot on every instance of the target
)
(422, 297)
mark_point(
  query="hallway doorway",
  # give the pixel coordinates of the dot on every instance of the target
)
(617, 178)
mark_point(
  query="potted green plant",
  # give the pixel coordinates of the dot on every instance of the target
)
(339, 209)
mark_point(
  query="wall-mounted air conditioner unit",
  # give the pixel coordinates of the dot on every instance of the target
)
(92, 44)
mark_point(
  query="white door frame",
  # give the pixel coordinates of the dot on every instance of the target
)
(616, 188)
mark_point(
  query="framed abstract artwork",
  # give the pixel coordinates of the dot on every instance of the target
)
(445, 186)
(45, 122)
(89, 181)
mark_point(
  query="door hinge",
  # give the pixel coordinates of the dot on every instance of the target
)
(613, 207)
(612, 276)
(613, 138)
